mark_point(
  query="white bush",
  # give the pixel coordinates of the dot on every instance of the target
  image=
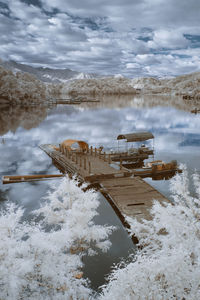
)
(168, 265)
(21, 87)
(42, 260)
(180, 85)
(36, 263)
(101, 86)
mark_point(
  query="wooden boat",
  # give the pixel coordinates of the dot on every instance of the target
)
(133, 164)
(158, 168)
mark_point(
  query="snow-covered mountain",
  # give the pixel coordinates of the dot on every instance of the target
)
(46, 74)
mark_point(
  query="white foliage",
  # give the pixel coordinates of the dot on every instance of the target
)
(41, 260)
(167, 266)
(146, 82)
(180, 85)
(101, 86)
(21, 87)
(25, 88)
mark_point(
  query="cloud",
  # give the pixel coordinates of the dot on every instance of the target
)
(168, 39)
(106, 37)
(134, 13)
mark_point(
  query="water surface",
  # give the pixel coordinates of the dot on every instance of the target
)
(177, 136)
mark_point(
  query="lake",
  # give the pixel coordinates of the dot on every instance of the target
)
(22, 129)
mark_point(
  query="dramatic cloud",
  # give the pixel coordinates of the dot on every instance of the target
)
(134, 38)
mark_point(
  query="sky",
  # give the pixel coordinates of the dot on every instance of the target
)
(135, 38)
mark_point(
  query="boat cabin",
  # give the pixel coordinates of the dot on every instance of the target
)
(133, 157)
(137, 137)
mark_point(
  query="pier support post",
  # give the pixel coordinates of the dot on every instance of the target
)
(76, 158)
(89, 167)
(120, 163)
(104, 156)
(84, 163)
(80, 161)
(91, 150)
(95, 152)
(109, 158)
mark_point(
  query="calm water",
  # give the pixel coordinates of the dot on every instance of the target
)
(177, 136)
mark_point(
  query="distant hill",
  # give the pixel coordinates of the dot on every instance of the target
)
(46, 74)
(64, 81)
(185, 85)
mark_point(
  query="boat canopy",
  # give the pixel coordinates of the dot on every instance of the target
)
(69, 143)
(136, 137)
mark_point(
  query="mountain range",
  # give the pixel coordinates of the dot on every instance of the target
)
(46, 74)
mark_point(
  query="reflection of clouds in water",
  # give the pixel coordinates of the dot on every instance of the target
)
(99, 126)
(104, 124)
(20, 154)
(18, 157)
(13, 117)
(190, 139)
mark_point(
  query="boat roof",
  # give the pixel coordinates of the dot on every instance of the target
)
(136, 136)
(68, 143)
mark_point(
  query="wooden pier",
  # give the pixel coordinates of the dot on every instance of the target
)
(129, 195)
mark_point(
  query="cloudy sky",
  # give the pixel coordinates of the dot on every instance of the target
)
(129, 37)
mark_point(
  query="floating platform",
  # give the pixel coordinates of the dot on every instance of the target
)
(128, 195)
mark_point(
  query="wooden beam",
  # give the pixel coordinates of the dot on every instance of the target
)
(24, 178)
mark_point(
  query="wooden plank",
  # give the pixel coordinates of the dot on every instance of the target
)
(17, 177)
(129, 190)
(25, 178)
(130, 196)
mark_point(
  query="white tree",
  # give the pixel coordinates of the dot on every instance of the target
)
(43, 260)
(167, 266)
(21, 87)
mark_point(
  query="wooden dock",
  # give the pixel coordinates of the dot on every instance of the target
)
(129, 195)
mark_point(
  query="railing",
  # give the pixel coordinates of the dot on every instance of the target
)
(81, 159)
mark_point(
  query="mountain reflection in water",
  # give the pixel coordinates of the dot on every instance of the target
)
(12, 117)
(176, 132)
